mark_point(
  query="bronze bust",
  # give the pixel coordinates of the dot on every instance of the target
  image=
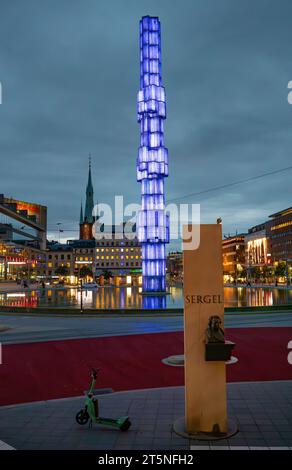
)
(214, 333)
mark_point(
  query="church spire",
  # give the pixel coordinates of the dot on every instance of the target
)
(89, 205)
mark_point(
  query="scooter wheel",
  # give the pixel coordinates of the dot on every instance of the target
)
(82, 417)
(126, 425)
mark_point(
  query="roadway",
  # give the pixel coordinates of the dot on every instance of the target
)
(28, 329)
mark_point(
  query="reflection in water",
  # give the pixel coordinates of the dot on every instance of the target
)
(155, 301)
(131, 298)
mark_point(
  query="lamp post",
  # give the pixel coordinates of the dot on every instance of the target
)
(81, 297)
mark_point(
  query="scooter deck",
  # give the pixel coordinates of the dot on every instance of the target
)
(112, 422)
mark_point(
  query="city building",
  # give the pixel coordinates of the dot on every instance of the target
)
(116, 253)
(279, 233)
(152, 161)
(257, 249)
(233, 255)
(60, 261)
(83, 256)
(23, 231)
(119, 252)
(268, 248)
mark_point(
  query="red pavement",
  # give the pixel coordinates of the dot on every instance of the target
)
(57, 369)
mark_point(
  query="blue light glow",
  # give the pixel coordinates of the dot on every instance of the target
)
(152, 161)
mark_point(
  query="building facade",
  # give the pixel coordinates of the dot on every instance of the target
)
(268, 248)
(23, 230)
(257, 247)
(233, 255)
(59, 260)
(279, 233)
(119, 251)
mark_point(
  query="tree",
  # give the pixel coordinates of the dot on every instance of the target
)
(107, 275)
(267, 272)
(85, 271)
(62, 271)
(280, 270)
(243, 273)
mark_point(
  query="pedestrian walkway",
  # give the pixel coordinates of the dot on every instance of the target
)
(262, 410)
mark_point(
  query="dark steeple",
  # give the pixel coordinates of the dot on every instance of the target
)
(89, 205)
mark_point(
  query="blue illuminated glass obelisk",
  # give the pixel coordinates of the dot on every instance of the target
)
(152, 161)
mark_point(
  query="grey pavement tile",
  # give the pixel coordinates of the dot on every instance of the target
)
(266, 422)
(276, 442)
(267, 427)
(269, 434)
(200, 447)
(161, 441)
(215, 446)
(279, 448)
(246, 428)
(238, 447)
(180, 447)
(286, 435)
(143, 433)
(283, 428)
(256, 442)
(251, 435)
(162, 434)
(235, 442)
(142, 442)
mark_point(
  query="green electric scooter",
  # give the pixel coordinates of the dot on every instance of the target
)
(91, 412)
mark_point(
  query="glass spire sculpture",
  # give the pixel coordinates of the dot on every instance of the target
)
(152, 161)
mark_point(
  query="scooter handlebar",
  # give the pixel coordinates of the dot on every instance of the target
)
(94, 373)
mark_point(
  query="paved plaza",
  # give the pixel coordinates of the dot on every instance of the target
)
(262, 410)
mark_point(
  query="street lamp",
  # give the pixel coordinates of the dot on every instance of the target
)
(81, 297)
